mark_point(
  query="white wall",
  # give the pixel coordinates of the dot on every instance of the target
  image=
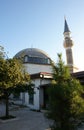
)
(38, 96)
(36, 68)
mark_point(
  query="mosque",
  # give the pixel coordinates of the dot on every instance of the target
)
(38, 64)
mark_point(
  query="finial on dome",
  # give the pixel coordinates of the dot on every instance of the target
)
(64, 17)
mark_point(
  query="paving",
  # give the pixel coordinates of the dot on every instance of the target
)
(25, 119)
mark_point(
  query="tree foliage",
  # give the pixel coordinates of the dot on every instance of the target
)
(12, 73)
(13, 78)
(2, 53)
(66, 105)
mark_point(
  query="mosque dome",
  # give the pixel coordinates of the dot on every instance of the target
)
(33, 55)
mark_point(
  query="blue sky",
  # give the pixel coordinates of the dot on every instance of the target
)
(40, 24)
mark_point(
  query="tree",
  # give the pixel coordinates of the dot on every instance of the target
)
(66, 105)
(13, 78)
(2, 53)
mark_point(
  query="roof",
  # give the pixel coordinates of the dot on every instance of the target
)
(80, 76)
(43, 75)
(31, 52)
(66, 28)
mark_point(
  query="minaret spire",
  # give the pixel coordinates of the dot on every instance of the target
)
(66, 28)
(68, 43)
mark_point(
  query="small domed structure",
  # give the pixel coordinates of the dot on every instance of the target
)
(33, 55)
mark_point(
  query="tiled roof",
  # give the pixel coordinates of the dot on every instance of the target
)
(44, 75)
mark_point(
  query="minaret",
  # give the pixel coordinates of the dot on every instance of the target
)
(68, 43)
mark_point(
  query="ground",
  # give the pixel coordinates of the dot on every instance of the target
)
(26, 119)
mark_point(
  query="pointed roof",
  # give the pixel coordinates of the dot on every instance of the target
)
(66, 28)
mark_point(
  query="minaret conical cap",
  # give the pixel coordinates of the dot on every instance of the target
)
(66, 28)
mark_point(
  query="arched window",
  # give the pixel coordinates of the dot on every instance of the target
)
(38, 60)
(48, 61)
(26, 58)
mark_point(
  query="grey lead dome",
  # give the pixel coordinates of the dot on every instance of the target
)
(33, 55)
